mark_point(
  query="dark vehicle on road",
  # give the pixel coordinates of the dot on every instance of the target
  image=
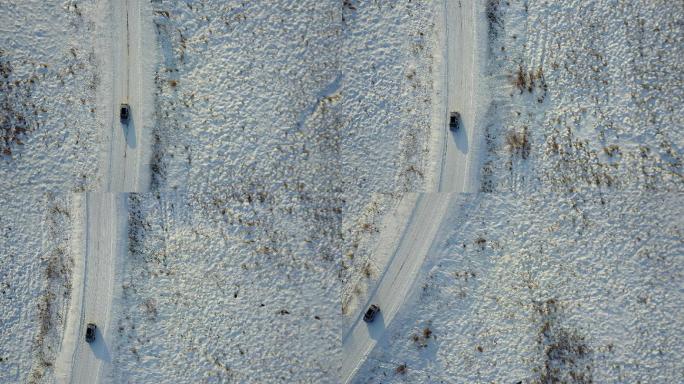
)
(370, 313)
(454, 121)
(125, 112)
(90, 332)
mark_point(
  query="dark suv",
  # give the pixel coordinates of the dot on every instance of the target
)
(124, 113)
(90, 332)
(370, 313)
(454, 121)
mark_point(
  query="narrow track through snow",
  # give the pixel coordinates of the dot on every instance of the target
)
(395, 281)
(460, 95)
(103, 238)
(455, 174)
(126, 170)
(103, 225)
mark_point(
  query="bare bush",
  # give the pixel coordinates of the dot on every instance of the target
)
(531, 81)
(16, 107)
(151, 308)
(519, 143)
(567, 358)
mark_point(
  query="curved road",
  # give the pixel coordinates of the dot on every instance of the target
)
(395, 281)
(457, 170)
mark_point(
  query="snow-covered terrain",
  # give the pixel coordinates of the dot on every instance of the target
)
(231, 287)
(35, 283)
(567, 266)
(579, 289)
(324, 96)
(289, 163)
(585, 95)
(49, 140)
(50, 133)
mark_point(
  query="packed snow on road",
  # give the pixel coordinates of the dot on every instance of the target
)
(343, 191)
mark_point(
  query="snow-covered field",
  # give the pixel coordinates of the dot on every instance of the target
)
(585, 95)
(298, 97)
(49, 136)
(567, 266)
(35, 283)
(50, 133)
(231, 287)
(322, 96)
(581, 288)
(286, 143)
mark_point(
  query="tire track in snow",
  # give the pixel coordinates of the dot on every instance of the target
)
(104, 226)
(461, 56)
(455, 175)
(395, 281)
(127, 149)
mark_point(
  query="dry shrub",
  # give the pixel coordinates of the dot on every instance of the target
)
(16, 107)
(530, 80)
(519, 143)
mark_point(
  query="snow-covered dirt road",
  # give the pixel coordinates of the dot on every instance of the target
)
(94, 288)
(461, 57)
(103, 223)
(395, 281)
(126, 167)
(457, 173)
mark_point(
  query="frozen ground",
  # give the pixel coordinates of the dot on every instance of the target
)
(580, 288)
(307, 107)
(325, 97)
(285, 144)
(49, 135)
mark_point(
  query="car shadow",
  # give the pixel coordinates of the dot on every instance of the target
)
(129, 131)
(377, 328)
(460, 138)
(99, 347)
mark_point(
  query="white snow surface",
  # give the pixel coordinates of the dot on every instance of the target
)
(567, 266)
(49, 120)
(285, 141)
(49, 140)
(228, 287)
(309, 95)
(580, 288)
(35, 282)
(585, 95)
